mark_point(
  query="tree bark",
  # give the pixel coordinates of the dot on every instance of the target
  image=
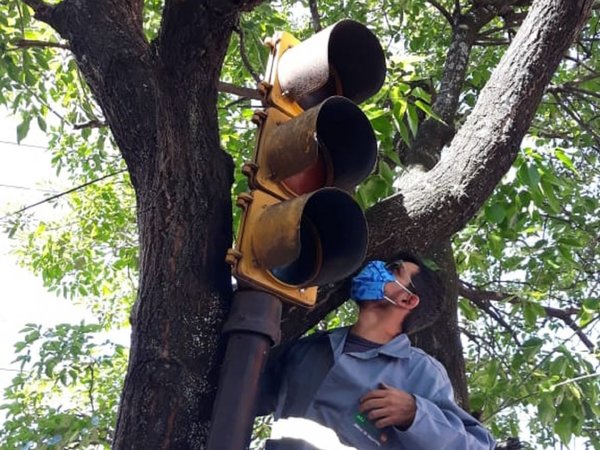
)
(159, 100)
(431, 206)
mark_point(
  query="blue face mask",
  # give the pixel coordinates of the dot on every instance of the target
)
(369, 283)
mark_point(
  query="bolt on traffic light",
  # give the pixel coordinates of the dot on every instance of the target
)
(301, 228)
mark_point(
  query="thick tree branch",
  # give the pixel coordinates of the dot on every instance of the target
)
(436, 204)
(109, 46)
(430, 207)
(433, 135)
(191, 32)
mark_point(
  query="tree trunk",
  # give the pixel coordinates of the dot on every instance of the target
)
(442, 339)
(185, 289)
(160, 102)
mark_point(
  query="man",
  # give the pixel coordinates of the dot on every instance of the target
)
(366, 382)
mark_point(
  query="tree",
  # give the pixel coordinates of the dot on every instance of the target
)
(153, 71)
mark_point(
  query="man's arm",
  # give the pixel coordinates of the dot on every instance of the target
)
(444, 425)
(422, 423)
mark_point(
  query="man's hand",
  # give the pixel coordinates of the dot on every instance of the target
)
(388, 406)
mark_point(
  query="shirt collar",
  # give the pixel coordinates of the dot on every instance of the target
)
(399, 347)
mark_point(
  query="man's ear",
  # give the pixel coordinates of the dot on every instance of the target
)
(411, 302)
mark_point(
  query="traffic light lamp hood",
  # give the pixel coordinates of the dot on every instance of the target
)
(296, 245)
(332, 144)
(343, 59)
(313, 239)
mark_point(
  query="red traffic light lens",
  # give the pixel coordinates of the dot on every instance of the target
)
(310, 179)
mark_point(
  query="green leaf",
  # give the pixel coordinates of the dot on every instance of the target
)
(22, 130)
(563, 427)
(495, 213)
(548, 190)
(41, 123)
(427, 109)
(404, 134)
(564, 158)
(532, 346)
(468, 310)
(546, 410)
(533, 176)
(374, 189)
(531, 312)
(413, 119)
(386, 172)
(382, 124)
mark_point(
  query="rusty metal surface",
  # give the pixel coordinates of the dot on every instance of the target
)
(344, 59)
(313, 239)
(347, 139)
(273, 92)
(332, 143)
(246, 266)
(275, 238)
(287, 146)
(291, 247)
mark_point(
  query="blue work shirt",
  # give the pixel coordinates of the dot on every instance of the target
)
(315, 380)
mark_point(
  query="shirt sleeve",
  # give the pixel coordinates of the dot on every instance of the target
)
(441, 424)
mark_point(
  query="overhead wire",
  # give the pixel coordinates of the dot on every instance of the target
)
(54, 197)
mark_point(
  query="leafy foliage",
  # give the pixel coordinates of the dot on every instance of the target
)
(528, 263)
(67, 390)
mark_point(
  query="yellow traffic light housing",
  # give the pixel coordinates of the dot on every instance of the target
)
(301, 227)
(343, 59)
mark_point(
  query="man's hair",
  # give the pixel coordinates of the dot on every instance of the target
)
(427, 285)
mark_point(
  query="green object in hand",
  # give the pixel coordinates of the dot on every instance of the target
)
(370, 431)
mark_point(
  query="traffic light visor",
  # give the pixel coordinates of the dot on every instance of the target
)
(343, 59)
(311, 240)
(332, 144)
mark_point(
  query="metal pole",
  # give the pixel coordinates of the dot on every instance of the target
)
(253, 327)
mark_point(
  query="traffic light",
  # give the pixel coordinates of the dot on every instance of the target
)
(301, 228)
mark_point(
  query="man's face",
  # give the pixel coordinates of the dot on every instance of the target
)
(403, 289)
